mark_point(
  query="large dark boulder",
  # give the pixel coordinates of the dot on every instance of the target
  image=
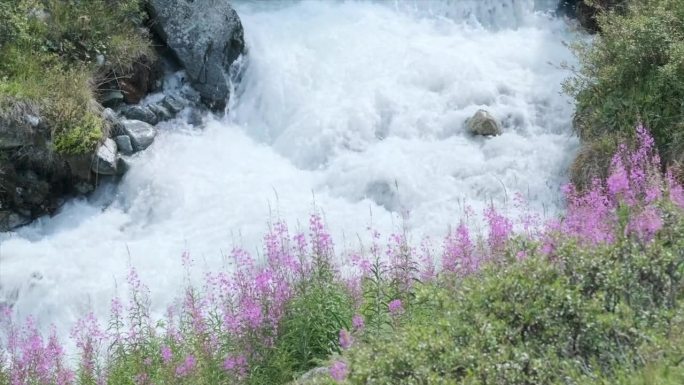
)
(206, 36)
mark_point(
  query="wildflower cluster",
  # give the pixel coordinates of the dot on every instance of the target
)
(271, 319)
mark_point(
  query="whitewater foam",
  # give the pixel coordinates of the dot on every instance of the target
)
(354, 107)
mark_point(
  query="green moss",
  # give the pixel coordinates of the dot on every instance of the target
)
(81, 136)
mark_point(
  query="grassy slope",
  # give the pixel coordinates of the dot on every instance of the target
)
(50, 52)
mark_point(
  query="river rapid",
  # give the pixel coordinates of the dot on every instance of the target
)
(355, 109)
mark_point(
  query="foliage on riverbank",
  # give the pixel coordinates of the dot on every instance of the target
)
(56, 53)
(634, 69)
(591, 297)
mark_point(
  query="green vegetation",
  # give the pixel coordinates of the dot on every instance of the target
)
(50, 51)
(587, 315)
(633, 70)
(310, 331)
(593, 299)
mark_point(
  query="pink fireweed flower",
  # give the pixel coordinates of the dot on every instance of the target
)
(345, 339)
(166, 354)
(357, 322)
(590, 216)
(236, 364)
(142, 379)
(251, 312)
(646, 224)
(618, 180)
(339, 371)
(395, 307)
(427, 260)
(675, 189)
(530, 221)
(362, 263)
(521, 255)
(458, 252)
(187, 366)
(500, 229)
(88, 336)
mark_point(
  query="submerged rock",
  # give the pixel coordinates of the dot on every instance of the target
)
(140, 133)
(206, 37)
(161, 112)
(483, 123)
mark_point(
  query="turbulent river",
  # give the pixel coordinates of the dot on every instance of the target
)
(355, 109)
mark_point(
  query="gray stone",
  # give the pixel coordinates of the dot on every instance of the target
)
(161, 112)
(141, 113)
(173, 104)
(112, 98)
(483, 123)
(123, 143)
(113, 122)
(19, 126)
(105, 159)
(207, 37)
(122, 166)
(141, 134)
(34, 178)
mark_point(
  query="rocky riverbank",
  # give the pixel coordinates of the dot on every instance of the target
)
(37, 177)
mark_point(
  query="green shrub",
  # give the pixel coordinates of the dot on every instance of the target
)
(633, 71)
(584, 317)
(310, 330)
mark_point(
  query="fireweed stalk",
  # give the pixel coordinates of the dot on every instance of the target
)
(227, 331)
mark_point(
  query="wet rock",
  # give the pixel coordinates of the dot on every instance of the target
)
(124, 145)
(173, 104)
(112, 98)
(483, 123)
(161, 112)
(142, 113)
(122, 166)
(34, 179)
(141, 134)
(206, 37)
(105, 159)
(112, 121)
(141, 79)
(19, 126)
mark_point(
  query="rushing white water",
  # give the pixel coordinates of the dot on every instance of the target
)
(356, 107)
